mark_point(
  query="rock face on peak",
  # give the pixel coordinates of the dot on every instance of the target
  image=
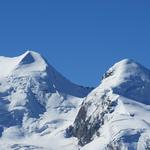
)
(29, 63)
(25, 64)
(111, 117)
(28, 58)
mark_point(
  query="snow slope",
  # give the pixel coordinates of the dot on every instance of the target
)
(116, 114)
(40, 109)
(35, 100)
(130, 79)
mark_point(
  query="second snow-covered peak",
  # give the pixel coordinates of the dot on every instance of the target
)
(126, 69)
(130, 79)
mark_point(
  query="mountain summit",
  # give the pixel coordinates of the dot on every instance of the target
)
(130, 79)
(26, 63)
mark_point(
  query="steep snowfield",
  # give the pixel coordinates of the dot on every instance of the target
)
(115, 115)
(35, 100)
(23, 65)
(130, 79)
(125, 128)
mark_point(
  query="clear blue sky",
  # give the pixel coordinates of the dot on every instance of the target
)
(80, 38)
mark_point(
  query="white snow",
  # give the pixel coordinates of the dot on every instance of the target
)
(37, 104)
(129, 122)
(23, 63)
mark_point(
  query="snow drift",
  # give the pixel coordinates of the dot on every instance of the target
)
(115, 114)
(38, 104)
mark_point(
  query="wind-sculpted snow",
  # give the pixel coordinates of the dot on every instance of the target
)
(129, 79)
(41, 109)
(114, 116)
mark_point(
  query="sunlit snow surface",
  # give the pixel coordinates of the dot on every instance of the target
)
(119, 105)
(37, 105)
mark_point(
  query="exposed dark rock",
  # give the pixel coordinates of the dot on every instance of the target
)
(108, 74)
(85, 127)
(1, 131)
(147, 144)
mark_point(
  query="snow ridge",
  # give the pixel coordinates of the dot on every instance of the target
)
(115, 114)
(38, 104)
(35, 99)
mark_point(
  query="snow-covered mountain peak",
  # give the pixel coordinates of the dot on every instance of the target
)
(116, 111)
(22, 65)
(32, 65)
(123, 69)
(30, 62)
(34, 97)
(130, 79)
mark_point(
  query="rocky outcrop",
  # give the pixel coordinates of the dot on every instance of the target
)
(85, 127)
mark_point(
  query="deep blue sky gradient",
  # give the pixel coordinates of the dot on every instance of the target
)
(80, 38)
